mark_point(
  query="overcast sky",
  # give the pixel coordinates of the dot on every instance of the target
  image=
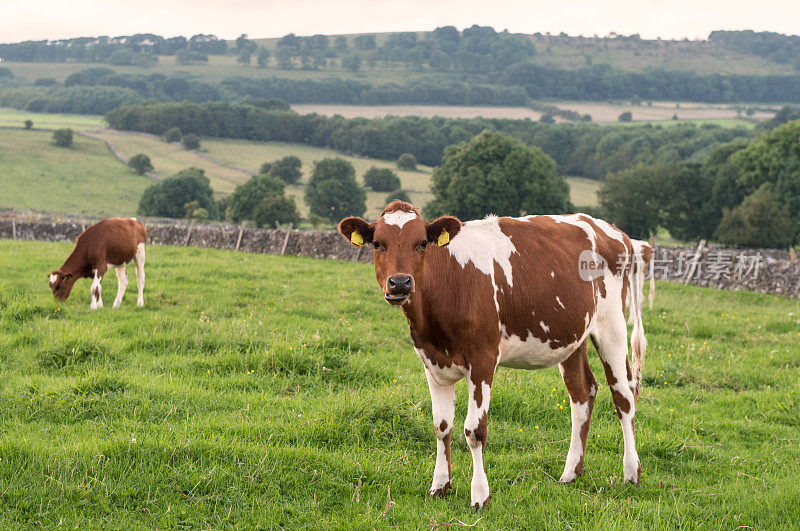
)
(42, 19)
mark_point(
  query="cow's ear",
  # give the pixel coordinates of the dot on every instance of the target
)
(66, 276)
(356, 230)
(443, 230)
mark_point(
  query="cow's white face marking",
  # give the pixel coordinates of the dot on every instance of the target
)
(399, 217)
(53, 278)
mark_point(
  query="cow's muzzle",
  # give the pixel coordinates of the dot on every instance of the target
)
(399, 288)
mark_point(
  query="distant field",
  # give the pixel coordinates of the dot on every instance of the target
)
(601, 112)
(86, 179)
(582, 191)
(14, 118)
(256, 391)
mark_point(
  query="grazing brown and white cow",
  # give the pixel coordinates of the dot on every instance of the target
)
(112, 242)
(519, 292)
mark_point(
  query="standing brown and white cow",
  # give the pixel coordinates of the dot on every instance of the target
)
(519, 292)
(112, 242)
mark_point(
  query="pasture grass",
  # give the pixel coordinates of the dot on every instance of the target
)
(85, 179)
(13, 118)
(258, 391)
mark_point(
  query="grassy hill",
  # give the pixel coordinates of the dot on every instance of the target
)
(96, 183)
(278, 396)
(85, 179)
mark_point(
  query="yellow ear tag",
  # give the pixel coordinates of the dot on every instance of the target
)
(444, 238)
(356, 239)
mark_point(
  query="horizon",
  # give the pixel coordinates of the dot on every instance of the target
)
(52, 20)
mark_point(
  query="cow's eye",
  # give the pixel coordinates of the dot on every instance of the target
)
(422, 245)
(376, 245)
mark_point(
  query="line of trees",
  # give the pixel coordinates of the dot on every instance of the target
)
(744, 194)
(579, 149)
(101, 49)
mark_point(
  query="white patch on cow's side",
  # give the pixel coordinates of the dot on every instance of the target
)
(574, 220)
(553, 274)
(53, 278)
(544, 327)
(558, 300)
(399, 217)
(610, 231)
(533, 353)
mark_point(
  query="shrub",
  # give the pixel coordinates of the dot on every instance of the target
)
(140, 163)
(265, 168)
(626, 116)
(332, 191)
(28, 124)
(407, 161)
(276, 209)
(173, 135)
(45, 82)
(63, 137)
(242, 202)
(381, 179)
(760, 221)
(287, 169)
(169, 197)
(190, 142)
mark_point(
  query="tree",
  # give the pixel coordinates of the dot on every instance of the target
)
(381, 179)
(400, 195)
(286, 169)
(332, 191)
(630, 199)
(760, 221)
(263, 57)
(187, 57)
(173, 134)
(496, 174)
(626, 116)
(169, 197)
(685, 200)
(243, 200)
(352, 62)
(407, 161)
(140, 164)
(63, 137)
(190, 142)
(276, 209)
(28, 124)
(244, 57)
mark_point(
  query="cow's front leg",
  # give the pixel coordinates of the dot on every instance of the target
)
(479, 385)
(443, 404)
(97, 297)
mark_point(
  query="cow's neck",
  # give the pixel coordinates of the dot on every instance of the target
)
(76, 264)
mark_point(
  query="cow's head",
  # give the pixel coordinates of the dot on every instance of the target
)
(61, 283)
(400, 239)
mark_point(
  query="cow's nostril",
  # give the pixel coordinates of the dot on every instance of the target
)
(400, 284)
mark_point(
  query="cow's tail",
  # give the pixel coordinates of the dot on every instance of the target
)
(638, 341)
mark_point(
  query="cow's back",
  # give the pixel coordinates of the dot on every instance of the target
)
(114, 240)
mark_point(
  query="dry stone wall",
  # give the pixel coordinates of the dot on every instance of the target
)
(763, 270)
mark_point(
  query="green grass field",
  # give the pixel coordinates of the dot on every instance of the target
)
(78, 122)
(85, 179)
(263, 391)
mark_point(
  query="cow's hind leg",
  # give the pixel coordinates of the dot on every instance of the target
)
(611, 342)
(139, 260)
(582, 389)
(122, 284)
(443, 399)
